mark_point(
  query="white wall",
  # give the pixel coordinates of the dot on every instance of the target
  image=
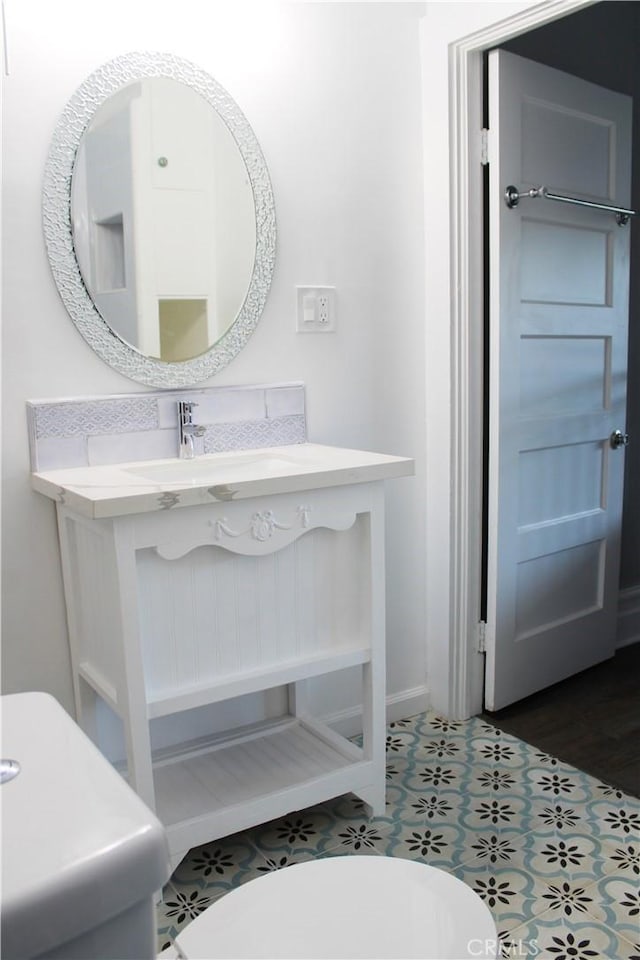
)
(332, 91)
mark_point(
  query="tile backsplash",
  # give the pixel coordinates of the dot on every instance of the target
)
(90, 431)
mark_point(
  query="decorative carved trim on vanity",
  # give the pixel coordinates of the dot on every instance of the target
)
(262, 527)
(259, 536)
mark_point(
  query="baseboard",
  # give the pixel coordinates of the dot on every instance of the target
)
(399, 706)
(628, 617)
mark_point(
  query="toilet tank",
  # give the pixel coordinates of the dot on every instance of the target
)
(82, 856)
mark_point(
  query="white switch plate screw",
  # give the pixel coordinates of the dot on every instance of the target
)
(316, 309)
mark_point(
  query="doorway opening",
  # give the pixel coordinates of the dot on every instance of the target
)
(560, 21)
(596, 44)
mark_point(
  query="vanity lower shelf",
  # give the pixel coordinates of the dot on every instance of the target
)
(270, 769)
(259, 678)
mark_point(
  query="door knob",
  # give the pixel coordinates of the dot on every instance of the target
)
(619, 439)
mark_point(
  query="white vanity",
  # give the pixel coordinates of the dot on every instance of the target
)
(192, 582)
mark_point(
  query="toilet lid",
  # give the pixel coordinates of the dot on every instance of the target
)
(354, 906)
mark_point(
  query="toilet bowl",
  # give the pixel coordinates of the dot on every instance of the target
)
(354, 906)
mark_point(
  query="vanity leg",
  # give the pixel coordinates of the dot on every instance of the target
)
(86, 708)
(373, 742)
(374, 799)
(298, 697)
(72, 589)
(138, 747)
(373, 672)
(132, 700)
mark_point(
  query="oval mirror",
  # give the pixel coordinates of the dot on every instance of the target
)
(159, 219)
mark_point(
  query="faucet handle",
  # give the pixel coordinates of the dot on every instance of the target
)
(187, 429)
(185, 409)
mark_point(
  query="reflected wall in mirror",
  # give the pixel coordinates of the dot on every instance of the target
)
(163, 219)
(159, 219)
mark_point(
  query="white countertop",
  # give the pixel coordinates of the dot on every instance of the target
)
(140, 487)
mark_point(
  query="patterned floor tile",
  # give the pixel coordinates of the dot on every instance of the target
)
(478, 725)
(363, 839)
(505, 752)
(436, 844)
(294, 833)
(551, 936)
(398, 770)
(503, 813)
(492, 780)
(352, 829)
(270, 864)
(557, 856)
(441, 751)
(430, 808)
(217, 866)
(615, 819)
(431, 725)
(616, 903)
(351, 807)
(166, 927)
(491, 843)
(604, 791)
(408, 723)
(560, 782)
(400, 744)
(626, 857)
(490, 848)
(425, 775)
(510, 893)
(177, 908)
(561, 815)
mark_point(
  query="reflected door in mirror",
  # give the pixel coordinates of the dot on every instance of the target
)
(163, 219)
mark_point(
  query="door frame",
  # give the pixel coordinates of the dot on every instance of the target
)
(465, 665)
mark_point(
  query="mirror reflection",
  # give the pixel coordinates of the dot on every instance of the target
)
(163, 219)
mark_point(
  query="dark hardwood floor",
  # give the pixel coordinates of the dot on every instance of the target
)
(591, 720)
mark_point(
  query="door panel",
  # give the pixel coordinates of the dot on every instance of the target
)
(541, 281)
(558, 346)
(574, 136)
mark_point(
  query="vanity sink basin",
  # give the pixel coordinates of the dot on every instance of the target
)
(212, 469)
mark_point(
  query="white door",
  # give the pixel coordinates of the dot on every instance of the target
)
(559, 278)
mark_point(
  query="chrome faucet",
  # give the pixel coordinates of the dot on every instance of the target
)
(187, 429)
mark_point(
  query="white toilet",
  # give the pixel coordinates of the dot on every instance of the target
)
(82, 856)
(338, 907)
